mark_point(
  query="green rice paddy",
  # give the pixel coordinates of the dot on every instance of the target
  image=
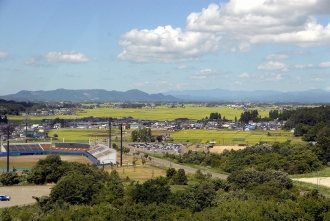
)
(223, 137)
(158, 113)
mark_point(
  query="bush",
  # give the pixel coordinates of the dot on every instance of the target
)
(8, 179)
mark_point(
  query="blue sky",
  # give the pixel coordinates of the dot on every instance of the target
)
(158, 46)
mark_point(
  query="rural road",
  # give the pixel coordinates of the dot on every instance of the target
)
(188, 169)
(167, 163)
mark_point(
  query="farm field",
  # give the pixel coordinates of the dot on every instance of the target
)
(223, 137)
(85, 135)
(158, 113)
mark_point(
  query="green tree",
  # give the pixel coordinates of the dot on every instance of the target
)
(8, 179)
(181, 177)
(75, 189)
(152, 191)
(170, 173)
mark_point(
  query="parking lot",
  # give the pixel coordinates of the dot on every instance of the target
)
(22, 195)
(158, 147)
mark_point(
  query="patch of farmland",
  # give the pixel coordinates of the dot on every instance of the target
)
(220, 149)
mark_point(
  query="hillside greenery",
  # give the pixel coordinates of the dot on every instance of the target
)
(287, 157)
(89, 193)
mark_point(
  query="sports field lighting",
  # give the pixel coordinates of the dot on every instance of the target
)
(121, 144)
(26, 126)
(109, 140)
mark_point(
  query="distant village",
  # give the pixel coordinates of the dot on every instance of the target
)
(38, 131)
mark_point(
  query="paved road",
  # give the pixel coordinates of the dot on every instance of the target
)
(22, 195)
(188, 169)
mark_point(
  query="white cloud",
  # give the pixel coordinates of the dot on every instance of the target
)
(303, 66)
(244, 75)
(273, 66)
(166, 84)
(166, 44)
(318, 79)
(32, 62)
(3, 55)
(277, 57)
(204, 74)
(265, 21)
(267, 77)
(325, 64)
(297, 79)
(67, 57)
(237, 24)
(182, 67)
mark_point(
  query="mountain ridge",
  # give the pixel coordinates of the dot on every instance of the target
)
(211, 95)
(85, 95)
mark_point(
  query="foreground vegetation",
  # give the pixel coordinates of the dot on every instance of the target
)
(291, 158)
(85, 192)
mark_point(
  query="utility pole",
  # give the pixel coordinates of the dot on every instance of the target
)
(121, 144)
(8, 133)
(26, 132)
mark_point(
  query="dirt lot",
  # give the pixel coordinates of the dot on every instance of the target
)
(219, 149)
(324, 181)
(22, 195)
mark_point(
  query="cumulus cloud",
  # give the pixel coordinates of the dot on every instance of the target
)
(265, 21)
(166, 44)
(230, 26)
(204, 74)
(325, 64)
(273, 66)
(244, 75)
(161, 84)
(67, 57)
(3, 55)
(182, 67)
(277, 56)
(33, 62)
(318, 80)
(303, 66)
(267, 77)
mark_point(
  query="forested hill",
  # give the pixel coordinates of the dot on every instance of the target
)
(12, 107)
(88, 95)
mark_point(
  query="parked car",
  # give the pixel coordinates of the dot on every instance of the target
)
(4, 198)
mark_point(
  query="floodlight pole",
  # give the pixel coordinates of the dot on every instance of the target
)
(109, 141)
(121, 144)
(8, 149)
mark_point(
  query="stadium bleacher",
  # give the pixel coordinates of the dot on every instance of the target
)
(24, 147)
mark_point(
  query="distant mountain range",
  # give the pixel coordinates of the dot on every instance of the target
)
(310, 96)
(88, 95)
(213, 95)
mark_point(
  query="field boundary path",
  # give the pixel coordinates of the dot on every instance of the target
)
(187, 169)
